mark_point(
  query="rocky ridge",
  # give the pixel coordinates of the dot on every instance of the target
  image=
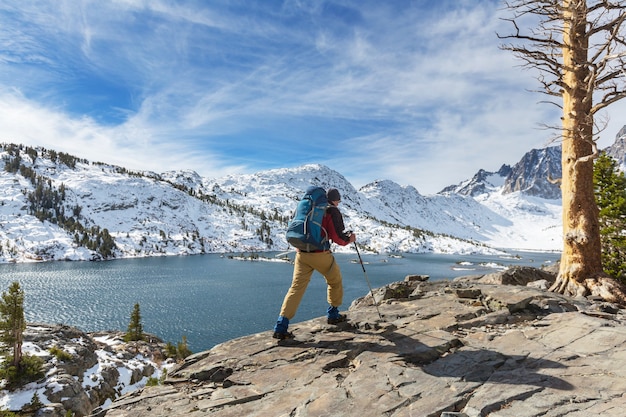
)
(493, 345)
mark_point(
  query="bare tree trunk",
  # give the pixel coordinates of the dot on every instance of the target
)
(581, 271)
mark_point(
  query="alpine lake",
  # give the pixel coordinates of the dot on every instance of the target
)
(213, 298)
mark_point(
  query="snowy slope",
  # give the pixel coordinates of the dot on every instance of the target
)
(527, 222)
(499, 220)
(177, 213)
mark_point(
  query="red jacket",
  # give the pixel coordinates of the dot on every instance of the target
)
(333, 224)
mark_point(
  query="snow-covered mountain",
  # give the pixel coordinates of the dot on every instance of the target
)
(54, 206)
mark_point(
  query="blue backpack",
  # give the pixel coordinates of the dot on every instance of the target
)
(305, 231)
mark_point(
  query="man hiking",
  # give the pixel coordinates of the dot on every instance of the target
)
(322, 261)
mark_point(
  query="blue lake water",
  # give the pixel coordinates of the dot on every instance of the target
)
(211, 298)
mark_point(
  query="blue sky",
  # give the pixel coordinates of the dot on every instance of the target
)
(417, 92)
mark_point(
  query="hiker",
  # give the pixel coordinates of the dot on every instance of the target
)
(321, 261)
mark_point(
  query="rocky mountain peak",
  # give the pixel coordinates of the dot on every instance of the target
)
(482, 182)
(532, 174)
(618, 149)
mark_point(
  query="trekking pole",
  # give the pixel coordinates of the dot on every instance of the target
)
(282, 255)
(368, 281)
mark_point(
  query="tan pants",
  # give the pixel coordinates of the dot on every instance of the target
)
(305, 264)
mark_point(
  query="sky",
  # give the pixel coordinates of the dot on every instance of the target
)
(414, 91)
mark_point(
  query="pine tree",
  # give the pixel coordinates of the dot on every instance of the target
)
(12, 323)
(182, 350)
(35, 403)
(135, 328)
(610, 190)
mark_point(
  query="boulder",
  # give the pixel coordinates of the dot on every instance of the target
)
(517, 275)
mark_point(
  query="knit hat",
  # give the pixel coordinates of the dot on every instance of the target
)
(333, 195)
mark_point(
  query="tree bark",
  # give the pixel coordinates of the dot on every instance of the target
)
(17, 346)
(581, 271)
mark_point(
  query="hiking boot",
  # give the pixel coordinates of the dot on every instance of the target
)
(333, 316)
(336, 320)
(280, 329)
(283, 335)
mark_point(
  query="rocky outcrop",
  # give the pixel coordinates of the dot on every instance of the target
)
(83, 370)
(451, 348)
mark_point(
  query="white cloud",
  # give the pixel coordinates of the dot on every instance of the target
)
(131, 145)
